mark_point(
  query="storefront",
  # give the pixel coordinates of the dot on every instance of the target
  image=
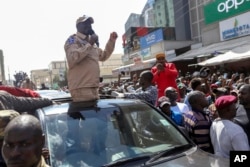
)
(227, 28)
(234, 32)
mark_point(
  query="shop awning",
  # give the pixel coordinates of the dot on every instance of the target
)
(212, 49)
(228, 57)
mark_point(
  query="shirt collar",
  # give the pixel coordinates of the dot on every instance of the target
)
(81, 36)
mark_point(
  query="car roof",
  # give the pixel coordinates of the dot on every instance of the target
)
(61, 96)
(81, 106)
(55, 95)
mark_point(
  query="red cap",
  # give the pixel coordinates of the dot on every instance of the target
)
(213, 86)
(224, 101)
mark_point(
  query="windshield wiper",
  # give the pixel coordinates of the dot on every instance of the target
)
(125, 161)
(164, 153)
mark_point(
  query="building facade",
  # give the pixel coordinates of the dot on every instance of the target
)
(218, 26)
(164, 13)
(106, 67)
(40, 76)
(196, 31)
(55, 72)
(157, 34)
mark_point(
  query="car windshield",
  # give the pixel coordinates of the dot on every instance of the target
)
(94, 137)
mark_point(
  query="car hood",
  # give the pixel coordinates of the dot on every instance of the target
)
(193, 158)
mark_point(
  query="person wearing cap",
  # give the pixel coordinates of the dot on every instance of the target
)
(217, 92)
(23, 142)
(226, 135)
(165, 106)
(213, 86)
(83, 53)
(165, 74)
(182, 89)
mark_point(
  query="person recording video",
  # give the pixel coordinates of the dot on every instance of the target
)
(83, 53)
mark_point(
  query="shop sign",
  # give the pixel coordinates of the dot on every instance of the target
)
(151, 38)
(235, 27)
(223, 9)
(145, 53)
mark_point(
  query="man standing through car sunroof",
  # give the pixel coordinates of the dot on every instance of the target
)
(83, 53)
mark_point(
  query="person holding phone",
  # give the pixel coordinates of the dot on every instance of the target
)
(165, 74)
(83, 53)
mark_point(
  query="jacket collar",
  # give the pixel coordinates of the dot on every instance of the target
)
(81, 36)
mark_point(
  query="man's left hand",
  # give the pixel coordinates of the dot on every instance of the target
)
(113, 36)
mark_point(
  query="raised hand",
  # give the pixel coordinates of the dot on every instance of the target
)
(113, 36)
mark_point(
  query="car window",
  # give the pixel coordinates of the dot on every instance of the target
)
(94, 137)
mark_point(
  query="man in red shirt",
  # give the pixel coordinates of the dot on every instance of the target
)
(165, 74)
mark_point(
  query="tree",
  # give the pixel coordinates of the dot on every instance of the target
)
(19, 77)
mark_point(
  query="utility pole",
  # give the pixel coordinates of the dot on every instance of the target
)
(9, 74)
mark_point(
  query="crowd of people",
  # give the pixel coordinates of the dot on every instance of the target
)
(213, 109)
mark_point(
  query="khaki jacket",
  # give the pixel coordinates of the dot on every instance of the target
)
(83, 61)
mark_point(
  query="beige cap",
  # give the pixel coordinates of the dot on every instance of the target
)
(84, 18)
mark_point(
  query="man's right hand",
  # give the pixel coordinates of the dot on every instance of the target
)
(93, 39)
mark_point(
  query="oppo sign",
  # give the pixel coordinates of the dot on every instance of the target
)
(222, 9)
(230, 4)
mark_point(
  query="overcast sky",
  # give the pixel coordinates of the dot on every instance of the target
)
(33, 32)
